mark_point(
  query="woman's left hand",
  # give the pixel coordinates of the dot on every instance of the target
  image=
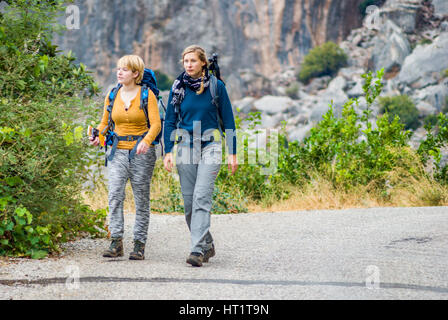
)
(233, 163)
(142, 148)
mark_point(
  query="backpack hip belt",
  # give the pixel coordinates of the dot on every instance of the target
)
(116, 139)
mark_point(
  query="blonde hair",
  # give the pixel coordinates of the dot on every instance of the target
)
(202, 56)
(134, 63)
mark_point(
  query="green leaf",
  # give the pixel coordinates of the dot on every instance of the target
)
(78, 133)
(29, 217)
(21, 84)
(45, 239)
(34, 240)
(38, 254)
(36, 72)
(20, 211)
(4, 242)
(69, 139)
(10, 226)
(26, 132)
(13, 181)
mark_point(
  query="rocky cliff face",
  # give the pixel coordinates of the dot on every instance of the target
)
(410, 42)
(254, 38)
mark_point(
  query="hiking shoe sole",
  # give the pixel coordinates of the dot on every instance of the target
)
(136, 257)
(112, 254)
(195, 261)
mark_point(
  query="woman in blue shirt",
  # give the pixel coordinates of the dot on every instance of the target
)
(193, 118)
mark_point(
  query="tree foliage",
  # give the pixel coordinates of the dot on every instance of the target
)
(403, 107)
(322, 60)
(43, 158)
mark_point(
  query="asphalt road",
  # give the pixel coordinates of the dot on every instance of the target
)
(377, 253)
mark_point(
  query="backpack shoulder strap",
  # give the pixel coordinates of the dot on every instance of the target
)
(144, 103)
(214, 90)
(215, 101)
(112, 96)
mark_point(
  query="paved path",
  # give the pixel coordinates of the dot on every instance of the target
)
(379, 253)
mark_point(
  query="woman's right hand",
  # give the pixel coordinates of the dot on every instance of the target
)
(168, 162)
(94, 141)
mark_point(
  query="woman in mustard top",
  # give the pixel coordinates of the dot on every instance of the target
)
(130, 121)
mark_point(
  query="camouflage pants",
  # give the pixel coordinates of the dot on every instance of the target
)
(139, 171)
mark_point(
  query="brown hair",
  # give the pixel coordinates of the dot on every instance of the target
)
(202, 56)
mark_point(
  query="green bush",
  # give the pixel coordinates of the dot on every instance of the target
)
(436, 138)
(19, 237)
(445, 107)
(323, 60)
(164, 82)
(403, 107)
(349, 151)
(292, 90)
(44, 160)
(425, 41)
(431, 120)
(251, 182)
(346, 150)
(445, 73)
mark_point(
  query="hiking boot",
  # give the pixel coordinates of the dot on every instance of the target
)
(195, 259)
(209, 253)
(139, 251)
(115, 249)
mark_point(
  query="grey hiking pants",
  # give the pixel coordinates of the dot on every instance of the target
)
(139, 171)
(197, 181)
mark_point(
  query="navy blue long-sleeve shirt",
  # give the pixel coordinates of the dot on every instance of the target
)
(200, 108)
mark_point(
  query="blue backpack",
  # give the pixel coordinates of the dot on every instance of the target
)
(148, 82)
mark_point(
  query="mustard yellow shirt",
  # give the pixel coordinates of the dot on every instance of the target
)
(133, 121)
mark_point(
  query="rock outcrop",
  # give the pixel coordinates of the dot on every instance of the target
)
(262, 43)
(414, 55)
(254, 38)
(425, 65)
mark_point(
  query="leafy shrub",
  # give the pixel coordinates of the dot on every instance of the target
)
(226, 202)
(19, 237)
(345, 150)
(164, 82)
(445, 108)
(351, 152)
(430, 119)
(292, 90)
(403, 107)
(425, 41)
(44, 160)
(170, 199)
(436, 138)
(323, 60)
(445, 73)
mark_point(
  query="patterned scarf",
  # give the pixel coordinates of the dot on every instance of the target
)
(183, 81)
